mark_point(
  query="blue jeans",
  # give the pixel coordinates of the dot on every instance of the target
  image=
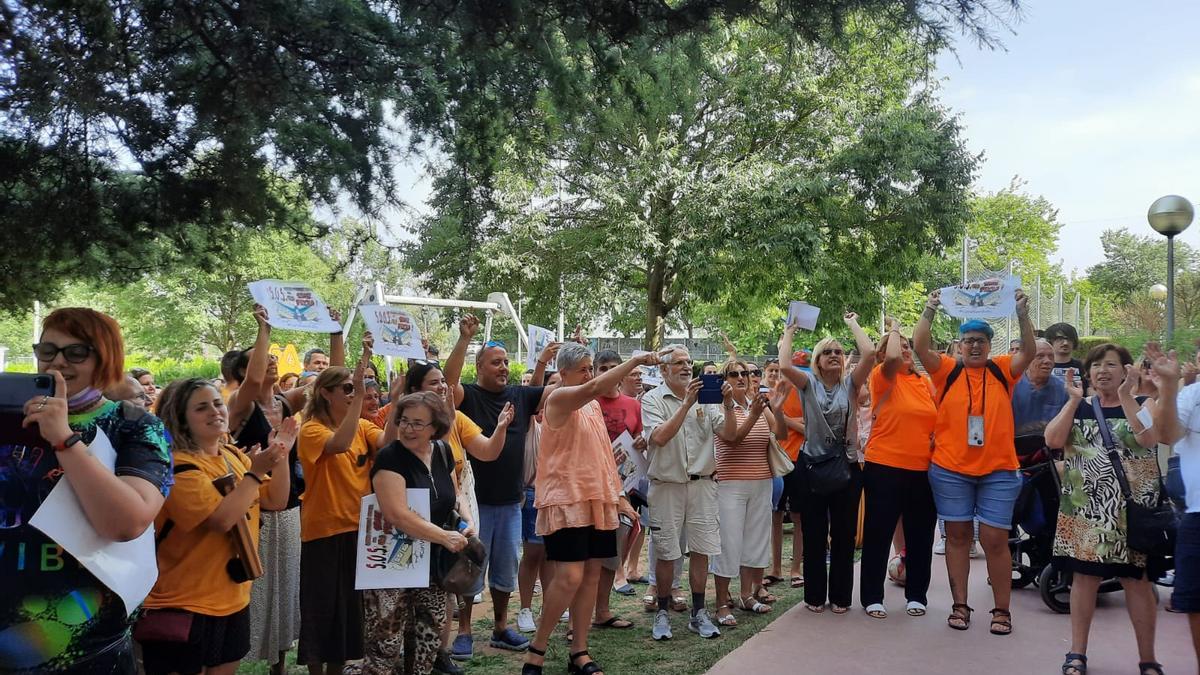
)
(500, 532)
(529, 519)
(961, 498)
(1186, 595)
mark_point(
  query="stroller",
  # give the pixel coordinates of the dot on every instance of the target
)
(1031, 540)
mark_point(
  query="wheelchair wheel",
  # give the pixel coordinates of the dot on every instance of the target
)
(1055, 587)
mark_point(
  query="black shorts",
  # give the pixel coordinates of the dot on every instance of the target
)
(1185, 597)
(575, 544)
(214, 640)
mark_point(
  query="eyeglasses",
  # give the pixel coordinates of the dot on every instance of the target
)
(971, 342)
(835, 352)
(75, 353)
(404, 423)
(347, 388)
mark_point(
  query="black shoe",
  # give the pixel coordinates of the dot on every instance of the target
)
(445, 665)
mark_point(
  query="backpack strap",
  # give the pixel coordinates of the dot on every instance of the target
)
(169, 524)
(992, 367)
(995, 370)
(951, 379)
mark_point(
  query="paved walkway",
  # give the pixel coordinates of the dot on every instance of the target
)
(850, 644)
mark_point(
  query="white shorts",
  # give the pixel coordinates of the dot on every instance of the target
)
(745, 515)
(690, 508)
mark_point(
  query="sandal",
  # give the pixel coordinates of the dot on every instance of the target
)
(797, 581)
(914, 608)
(679, 603)
(589, 668)
(728, 620)
(1074, 664)
(815, 609)
(613, 621)
(1001, 622)
(1152, 666)
(771, 580)
(876, 611)
(764, 597)
(753, 606)
(838, 609)
(531, 669)
(649, 604)
(960, 616)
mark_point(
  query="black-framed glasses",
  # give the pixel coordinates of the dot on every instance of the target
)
(73, 353)
(404, 423)
(834, 352)
(346, 387)
(971, 342)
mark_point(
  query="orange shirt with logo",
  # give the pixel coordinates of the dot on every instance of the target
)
(951, 450)
(904, 419)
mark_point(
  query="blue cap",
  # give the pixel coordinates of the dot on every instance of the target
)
(977, 326)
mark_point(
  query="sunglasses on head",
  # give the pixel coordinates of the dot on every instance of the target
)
(835, 352)
(494, 343)
(437, 364)
(74, 353)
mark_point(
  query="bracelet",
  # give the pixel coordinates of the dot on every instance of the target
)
(251, 474)
(71, 441)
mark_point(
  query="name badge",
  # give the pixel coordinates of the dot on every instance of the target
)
(975, 431)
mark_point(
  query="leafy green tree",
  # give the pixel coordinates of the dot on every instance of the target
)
(145, 133)
(1133, 263)
(717, 176)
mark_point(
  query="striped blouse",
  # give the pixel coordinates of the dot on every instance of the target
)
(747, 460)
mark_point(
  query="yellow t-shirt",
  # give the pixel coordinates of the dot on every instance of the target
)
(192, 557)
(334, 485)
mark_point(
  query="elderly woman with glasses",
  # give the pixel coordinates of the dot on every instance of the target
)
(578, 499)
(336, 447)
(829, 513)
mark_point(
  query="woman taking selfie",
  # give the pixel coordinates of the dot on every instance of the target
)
(83, 351)
(197, 617)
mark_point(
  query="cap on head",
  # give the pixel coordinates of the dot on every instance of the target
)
(977, 326)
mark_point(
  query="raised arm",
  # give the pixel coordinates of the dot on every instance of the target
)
(1147, 437)
(783, 422)
(275, 497)
(797, 377)
(893, 357)
(663, 429)
(488, 449)
(923, 335)
(468, 326)
(241, 402)
(1021, 359)
(549, 353)
(728, 431)
(343, 436)
(337, 342)
(866, 351)
(1166, 413)
(565, 400)
(731, 354)
(1058, 431)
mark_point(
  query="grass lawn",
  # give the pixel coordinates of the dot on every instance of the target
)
(630, 650)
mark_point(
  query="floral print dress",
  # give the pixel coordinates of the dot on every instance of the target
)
(1091, 535)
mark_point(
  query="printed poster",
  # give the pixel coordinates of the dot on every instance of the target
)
(651, 376)
(803, 315)
(991, 298)
(636, 465)
(127, 568)
(293, 305)
(395, 330)
(538, 339)
(385, 556)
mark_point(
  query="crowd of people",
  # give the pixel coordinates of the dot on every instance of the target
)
(253, 486)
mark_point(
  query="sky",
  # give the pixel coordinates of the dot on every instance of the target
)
(1096, 104)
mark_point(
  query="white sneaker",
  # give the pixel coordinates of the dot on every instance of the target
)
(566, 617)
(525, 622)
(478, 599)
(975, 552)
(940, 547)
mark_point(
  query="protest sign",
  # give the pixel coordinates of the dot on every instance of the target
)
(991, 298)
(293, 305)
(386, 557)
(651, 376)
(127, 568)
(395, 330)
(538, 339)
(635, 466)
(803, 315)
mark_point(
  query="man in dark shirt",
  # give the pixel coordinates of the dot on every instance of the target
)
(1065, 339)
(500, 484)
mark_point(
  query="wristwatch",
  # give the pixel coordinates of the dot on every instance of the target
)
(71, 440)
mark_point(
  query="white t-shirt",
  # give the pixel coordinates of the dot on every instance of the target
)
(1188, 448)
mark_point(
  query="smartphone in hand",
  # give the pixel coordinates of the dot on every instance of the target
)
(710, 389)
(16, 389)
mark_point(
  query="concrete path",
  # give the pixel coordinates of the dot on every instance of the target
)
(850, 644)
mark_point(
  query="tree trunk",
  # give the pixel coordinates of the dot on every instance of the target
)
(656, 309)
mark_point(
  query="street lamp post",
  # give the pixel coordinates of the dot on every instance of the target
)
(1169, 216)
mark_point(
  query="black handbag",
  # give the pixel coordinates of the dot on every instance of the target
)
(1149, 529)
(828, 471)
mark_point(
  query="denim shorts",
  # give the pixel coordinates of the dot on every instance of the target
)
(962, 498)
(529, 533)
(1186, 595)
(500, 532)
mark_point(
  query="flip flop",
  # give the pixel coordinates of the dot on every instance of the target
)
(797, 582)
(771, 580)
(613, 621)
(627, 589)
(638, 580)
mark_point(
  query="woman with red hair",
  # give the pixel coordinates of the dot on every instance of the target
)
(54, 615)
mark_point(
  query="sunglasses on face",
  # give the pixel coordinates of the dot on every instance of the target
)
(834, 352)
(737, 373)
(754, 373)
(75, 353)
(346, 387)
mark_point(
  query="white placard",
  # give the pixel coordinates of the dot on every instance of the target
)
(386, 557)
(992, 298)
(651, 376)
(127, 568)
(395, 331)
(636, 465)
(803, 315)
(538, 339)
(293, 305)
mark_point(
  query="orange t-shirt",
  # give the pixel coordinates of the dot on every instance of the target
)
(903, 426)
(334, 485)
(191, 556)
(950, 450)
(792, 407)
